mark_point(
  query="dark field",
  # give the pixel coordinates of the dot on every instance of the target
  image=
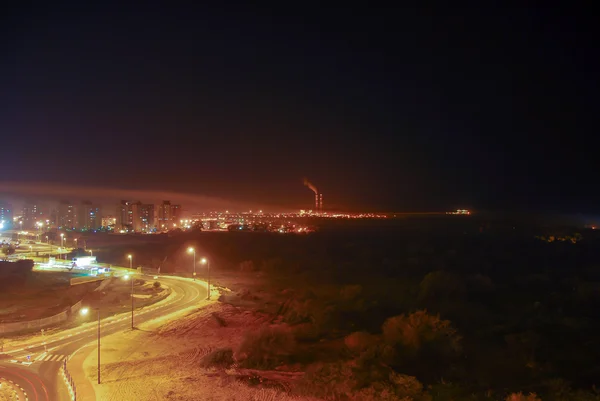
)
(517, 301)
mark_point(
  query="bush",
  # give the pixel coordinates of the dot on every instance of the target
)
(421, 344)
(339, 381)
(222, 357)
(156, 284)
(415, 330)
(522, 397)
(328, 380)
(266, 348)
(359, 341)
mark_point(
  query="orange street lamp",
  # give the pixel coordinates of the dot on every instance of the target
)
(192, 250)
(206, 262)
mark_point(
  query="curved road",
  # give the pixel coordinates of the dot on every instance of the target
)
(35, 365)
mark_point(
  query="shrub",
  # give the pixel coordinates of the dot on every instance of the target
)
(420, 343)
(222, 357)
(328, 380)
(441, 284)
(266, 348)
(156, 284)
(359, 341)
(522, 397)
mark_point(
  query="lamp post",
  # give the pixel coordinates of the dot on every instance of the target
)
(75, 243)
(192, 250)
(126, 277)
(205, 261)
(39, 224)
(130, 261)
(62, 239)
(84, 312)
(90, 251)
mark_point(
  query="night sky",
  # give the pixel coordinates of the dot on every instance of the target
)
(384, 109)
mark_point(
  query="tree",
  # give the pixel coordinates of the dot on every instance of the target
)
(7, 251)
(421, 344)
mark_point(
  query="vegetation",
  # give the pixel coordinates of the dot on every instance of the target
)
(222, 357)
(471, 309)
(266, 348)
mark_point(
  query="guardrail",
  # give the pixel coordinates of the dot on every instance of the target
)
(39, 323)
(69, 380)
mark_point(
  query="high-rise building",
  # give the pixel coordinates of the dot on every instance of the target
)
(31, 214)
(164, 216)
(67, 215)
(176, 214)
(123, 217)
(147, 217)
(6, 215)
(135, 213)
(88, 216)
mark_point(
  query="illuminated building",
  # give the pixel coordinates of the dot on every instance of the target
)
(109, 221)
(88, 216)
(175, 213)
(142, 217)
(6, 215)
(67, 215)
(147, 217)
(31, 214)
(124, 216)
(164, 216)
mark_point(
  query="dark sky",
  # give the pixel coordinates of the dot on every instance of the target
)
(382, 109)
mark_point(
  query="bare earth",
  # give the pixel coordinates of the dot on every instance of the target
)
(160, 361)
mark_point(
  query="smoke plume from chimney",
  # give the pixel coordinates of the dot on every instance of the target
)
(314, 189)
(311, 186)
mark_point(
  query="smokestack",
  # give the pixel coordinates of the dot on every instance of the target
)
(321, 203)
(314, 189)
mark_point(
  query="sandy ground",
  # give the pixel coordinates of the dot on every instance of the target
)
(160, 361)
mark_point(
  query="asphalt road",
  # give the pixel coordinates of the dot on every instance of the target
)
(35, 366)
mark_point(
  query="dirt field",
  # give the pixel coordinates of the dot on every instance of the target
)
(43, 294)
(162, 362)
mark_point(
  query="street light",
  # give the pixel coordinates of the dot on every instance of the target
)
(39, 224)
(90, 251)
(192, 250)
(84, 312)
(206, 262)
(130, 261)
(126, 277)
(62, 238)
(75, 243)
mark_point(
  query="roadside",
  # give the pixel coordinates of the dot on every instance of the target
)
(114, 299)
(164, 361)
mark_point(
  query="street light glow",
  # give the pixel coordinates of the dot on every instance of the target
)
(84, 311)
(203, 261)
(129, 256)
(126, 277)
(190, 249)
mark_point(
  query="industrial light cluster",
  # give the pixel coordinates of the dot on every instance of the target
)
(459, 211)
